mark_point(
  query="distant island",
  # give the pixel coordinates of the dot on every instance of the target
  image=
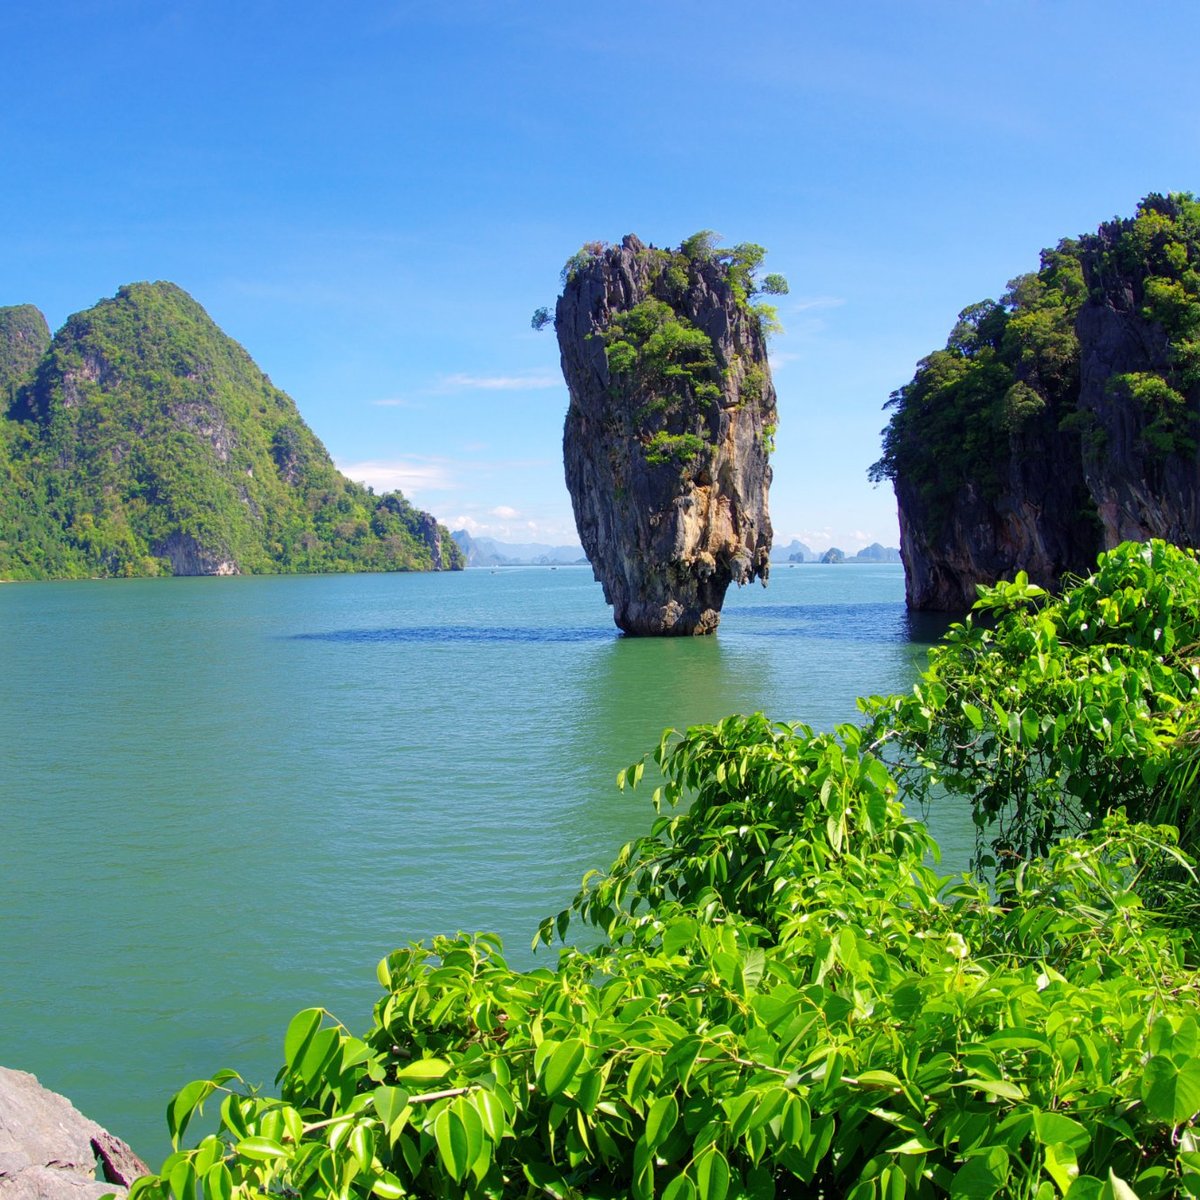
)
(797, 552)
(491, 552)
(488, 552)
(141, 440)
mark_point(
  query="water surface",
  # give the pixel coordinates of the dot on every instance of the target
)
(223, 800)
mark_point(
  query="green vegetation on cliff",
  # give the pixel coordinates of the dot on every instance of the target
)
(24, 336)
(146, 441)
(1013, 366)
(781, 998)
(1004, 364)
(655, 352)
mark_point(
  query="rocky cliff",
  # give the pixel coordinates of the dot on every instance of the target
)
(142, 440)
(50, 1151)
(1060, 420)
(669, 429)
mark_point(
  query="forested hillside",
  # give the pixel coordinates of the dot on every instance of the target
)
(142, 440)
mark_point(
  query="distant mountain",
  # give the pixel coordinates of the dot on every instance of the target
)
(142, 440)
(795, 551)
(875, 553)
(487, 552)
(833, 555)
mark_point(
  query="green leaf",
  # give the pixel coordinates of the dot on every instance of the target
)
(425, 1070)
(981, 1177)
(260, 1148)
(678, 935)
(1117, 1188)
(187, 1102)
(478, 1148)
(660, 1120)
(299, 1034)
(1061, 1165)
(879, 1079)
(362, 1144)
(680, 1188)
(993, 1087)
(753, 964)
(218, 1182)
(547, 1178)
(919, 1143)
(643, 1171)
(561, 1066)
(452, 1143)
(972, 714)
(712, 1175)
(1171, 1092)
(1052, 1128)
(390, 1104)
(681, 1059)
(317, 1054)
(639, 1080)
(182, 1178)
(388, 1186)
(491, 1112)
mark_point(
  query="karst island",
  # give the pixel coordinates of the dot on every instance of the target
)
(670, 426)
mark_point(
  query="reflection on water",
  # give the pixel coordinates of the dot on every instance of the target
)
(458, 633)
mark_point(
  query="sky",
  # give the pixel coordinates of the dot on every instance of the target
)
(373, 197)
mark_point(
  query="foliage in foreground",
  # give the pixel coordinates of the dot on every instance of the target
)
(785, 1001)
(1048, 712)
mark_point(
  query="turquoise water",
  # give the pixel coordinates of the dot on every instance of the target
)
(223, 800)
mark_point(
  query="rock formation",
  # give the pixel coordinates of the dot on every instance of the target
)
(49, 1150)
(667, 437)
(1060, 421)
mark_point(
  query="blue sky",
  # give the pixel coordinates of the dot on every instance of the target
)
(373, 197)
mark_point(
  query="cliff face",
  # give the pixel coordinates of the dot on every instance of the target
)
(668, 433)
(1036, 517)
(1060, 421)
(145, 441)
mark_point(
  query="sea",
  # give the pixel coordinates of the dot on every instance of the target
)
(224, 800)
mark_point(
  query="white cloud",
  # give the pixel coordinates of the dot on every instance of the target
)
(553, 533)
(392, 402)
(504, 512)
(411, 476)
(499, 383)
(808, 303)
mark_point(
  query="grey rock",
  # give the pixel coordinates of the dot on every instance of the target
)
(666, 539)
(48, 1149)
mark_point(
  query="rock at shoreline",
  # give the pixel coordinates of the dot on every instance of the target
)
(669, 429)
(49, 1150)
